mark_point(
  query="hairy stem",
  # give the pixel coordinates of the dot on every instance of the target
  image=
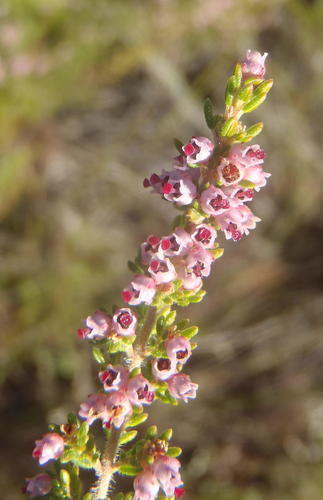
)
(139, 346)
(107, 464)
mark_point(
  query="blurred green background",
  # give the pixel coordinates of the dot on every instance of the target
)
(91, 95)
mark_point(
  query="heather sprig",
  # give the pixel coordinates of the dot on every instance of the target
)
(140, 347)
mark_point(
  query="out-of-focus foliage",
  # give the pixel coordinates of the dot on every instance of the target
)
(91, 95)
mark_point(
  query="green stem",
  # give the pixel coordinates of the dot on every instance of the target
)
(139, 346)
(108, 464)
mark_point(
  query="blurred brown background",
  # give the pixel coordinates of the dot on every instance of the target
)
(91, 95)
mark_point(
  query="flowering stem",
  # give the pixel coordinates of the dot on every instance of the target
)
(142, 338)
(107, 464)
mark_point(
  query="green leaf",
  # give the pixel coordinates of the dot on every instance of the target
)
(65, 479)
(129, 470)
(245, 93)
(217, 252)
(209, 113)
(87, 496)
(254, 103)
(152, 431)
(178, 145)
(135, 267)
(128, 496)
(174, 451)
(166, 435)
(254, 130)
(98, 355)
(229, 127)
(247, 184)
(238, 75)
(119, 496)
(264, 87)
(83, 435)
(190, 332)
(126, 437)
(170, 318)
(72, 419)
(137, 420)
(230, 90)
(184, 323)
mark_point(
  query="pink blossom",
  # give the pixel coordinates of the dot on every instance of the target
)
(214, 201)
(119, 408)
(114, 378)
(162, 270)
(257, 176)
(124, 322)
(166, 470)
(140, 391)
(199, 261)
(181, 387)
(140, 291)
(177, 243)
(150, 248)
(248, 156)
(254, 64)
(50, 447)
(189, 279)
(237, 222)
(39, 485)
(95, 408)
(175, 186)
(146, 485)
(97, 326)
(198, 150)
(163, 368)
(178, 349)
(205, 235)
(230, 173)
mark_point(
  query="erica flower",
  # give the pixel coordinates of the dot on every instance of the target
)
(140, 391)
(149, 249)
(146, 485)
(140, 291)
(175, 186)
(181, 387)
(198, 150)
(176, 243)
(214, 201)
(178, 349)
(162, 270)
(97, 326)
(95, 408)
(119, 407)
(166, 470)
(39, 485)
(50, 447)
(163, 368)
(124, 322)
(114, 378)
(205, 235)
(237, 222)
(254, 64)
(229, 172)
(199, 261)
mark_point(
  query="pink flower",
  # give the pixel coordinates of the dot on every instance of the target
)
(205, 235)
(198, 150)
(140, 291)
(166, 470)
(114, 378)
(119, 408)
(163, 368)
(237, 222)
(97, 326)
(140, 391)
(178, 349)
(248, 156)
(150, 249)
(230, 173)
(50, 447)
(39, 485)
(214, 201)
(175, 186)
(189, 279)
(124, 322)
(181, 387)
(177, 243)
(257, 176)
(146, 485)
(95, 408)
(162, 270)
(199, 261)
(254, 64)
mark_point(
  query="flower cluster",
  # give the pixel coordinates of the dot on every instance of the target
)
(140, 348)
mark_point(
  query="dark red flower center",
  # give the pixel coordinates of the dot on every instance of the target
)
(198, 268)
(230, 173)
(108, 377)
(163, 364)
(181, 354)
(125, 319)
(219, 203)
(203, 235)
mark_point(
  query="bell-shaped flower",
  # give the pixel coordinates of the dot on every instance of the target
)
(97, 326)
(178, 349)
(181, 387)
(146, 485)
(140, 291)
(214, 201)
(140, 391)
(114, 378)
(162, 270)
(198, 150)
(149, 249)
(95, 408)
(166, 470)
(230, 173)
(177, 243)
(205, 235)
(124, 322)
(237, 222)
(175, 186)
(50, 447)
(119, 408)
(163, 368)
(254, 64)
(39, 485)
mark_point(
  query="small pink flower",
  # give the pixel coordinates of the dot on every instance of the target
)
(119, 408)
(198, 150)
(205, 235)
(257, 176)
(189, 279)
(229, 172)
(124, 322)
(50, 447)
(248, 156)
(178, 349)
(175, 186)
(140, 291)
(214, 201)
(150, 248)
(97, 326)
(162, 270)
(254, 64)
(166, 470)
(39, 485)
(163, 368)
(95, 408)
(146, 485)
(114, 378)
(181, 387)
(199, 261)
(177, 243)
(237, 222)
(140, 391)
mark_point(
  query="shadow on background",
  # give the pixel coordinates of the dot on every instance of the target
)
(91, 96)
